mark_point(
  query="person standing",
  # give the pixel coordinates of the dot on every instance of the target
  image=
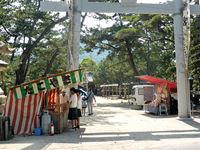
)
(90, 102)
(79, 107)
(73, 107)
(83, 95)
(84, 106)
(63, 100)
(64, 105)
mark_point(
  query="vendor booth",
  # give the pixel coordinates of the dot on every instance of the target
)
(36, 105)
(161, 102)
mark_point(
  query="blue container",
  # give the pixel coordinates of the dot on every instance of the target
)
(37, 131)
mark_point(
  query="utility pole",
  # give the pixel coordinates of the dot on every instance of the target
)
(176, 8)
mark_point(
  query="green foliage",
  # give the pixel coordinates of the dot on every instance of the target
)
(88, 64)
(144, 42)
(194, 56)
(40, 48)
(113, 71)
(44, 54)
(126, 33)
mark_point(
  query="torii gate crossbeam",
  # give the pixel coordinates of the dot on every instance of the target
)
(175, 8)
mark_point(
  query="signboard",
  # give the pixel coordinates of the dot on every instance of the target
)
(46, 84)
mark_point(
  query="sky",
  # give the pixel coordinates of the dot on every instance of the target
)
(91, 22)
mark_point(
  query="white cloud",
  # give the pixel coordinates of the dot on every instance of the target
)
(92, 22)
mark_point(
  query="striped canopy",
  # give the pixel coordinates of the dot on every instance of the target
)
(24, 102)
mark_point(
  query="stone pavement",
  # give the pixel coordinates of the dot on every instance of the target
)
(118, 126)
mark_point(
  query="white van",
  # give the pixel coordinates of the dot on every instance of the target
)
(141, 93)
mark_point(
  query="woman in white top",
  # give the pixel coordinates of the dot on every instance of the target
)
(73, 108)
(79, 106)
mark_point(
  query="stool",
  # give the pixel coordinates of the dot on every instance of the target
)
(163, 108)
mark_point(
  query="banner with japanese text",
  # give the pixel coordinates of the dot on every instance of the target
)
(48, 83)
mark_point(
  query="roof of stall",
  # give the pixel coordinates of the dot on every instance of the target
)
(170, 85)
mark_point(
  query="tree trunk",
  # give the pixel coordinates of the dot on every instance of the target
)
(21, 72)
(49, 63)
(149, 67)
(131, 60)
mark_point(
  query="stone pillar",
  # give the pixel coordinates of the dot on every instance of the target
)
(184, 110)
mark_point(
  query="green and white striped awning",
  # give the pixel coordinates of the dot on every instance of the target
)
(48, 83)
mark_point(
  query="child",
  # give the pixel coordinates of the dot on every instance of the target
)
(84, 106)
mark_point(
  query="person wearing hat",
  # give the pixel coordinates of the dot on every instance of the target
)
(63, 100)
(73, 108)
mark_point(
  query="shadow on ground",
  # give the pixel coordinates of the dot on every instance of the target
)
(40, 142)
(78, 137)
(152, 115)
(140, 136)
(123, 105)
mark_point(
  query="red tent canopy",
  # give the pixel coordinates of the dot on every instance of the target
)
(170, 85)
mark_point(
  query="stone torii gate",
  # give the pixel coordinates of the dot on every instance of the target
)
(180, 10)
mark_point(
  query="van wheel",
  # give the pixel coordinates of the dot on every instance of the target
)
(134, 100)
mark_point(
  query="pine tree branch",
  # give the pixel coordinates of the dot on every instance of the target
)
(83, 19)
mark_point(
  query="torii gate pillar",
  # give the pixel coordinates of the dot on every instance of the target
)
(74, 39)
(184, 109)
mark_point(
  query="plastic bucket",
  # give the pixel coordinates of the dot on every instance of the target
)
(37, 131)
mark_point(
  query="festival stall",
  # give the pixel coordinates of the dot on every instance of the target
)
(162, 94)
(27, 103)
